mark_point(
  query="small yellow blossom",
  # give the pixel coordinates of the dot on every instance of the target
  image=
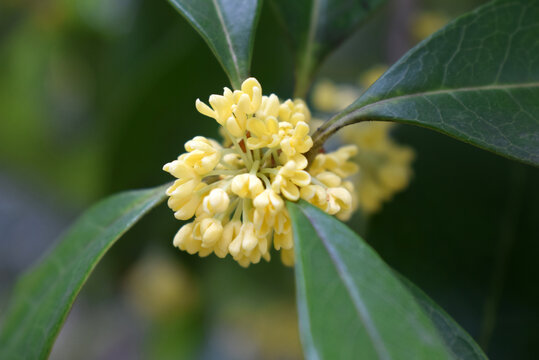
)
(297, 140)
(294, 111)
(216, 202)
(328, 97)
(247, 185)
(264, 133)
(237, 191)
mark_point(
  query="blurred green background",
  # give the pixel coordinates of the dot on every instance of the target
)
(95, 96)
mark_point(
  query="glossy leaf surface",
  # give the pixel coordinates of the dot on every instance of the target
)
(44, 295)
(457, 340)
(228, 27)
(477, 80)
(350, 303)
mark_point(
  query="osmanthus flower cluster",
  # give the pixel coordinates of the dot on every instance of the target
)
(236, 192)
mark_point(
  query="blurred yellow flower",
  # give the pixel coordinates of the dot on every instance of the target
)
(236, 191)
(384, 166)
(426, 23)
(159, 289)
(329, 97)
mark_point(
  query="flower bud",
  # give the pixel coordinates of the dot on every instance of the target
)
(329, 179)
(205, 109)
(247, 185)
(233, 160)
(184, 203)
(222, 105)
(249, 240)
(299, 141)
(282, 222)
(316, 195)
(268, 107)
(203, 154)
(209, 231)
(216, 201)
(287, 257)
(252, 88)
(180, 169)
(230, 231)
(235, 246)
(183, 187)
(267, 205)
(269, 200)
(282, 185)
(184, 239)
(283, 241)
(234, 127)
(338, 199)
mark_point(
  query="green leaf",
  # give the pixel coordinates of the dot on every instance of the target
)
(316, 27)
(228, 27)
(461, 344)
(477, 80)
(350, 303)
(43, 296)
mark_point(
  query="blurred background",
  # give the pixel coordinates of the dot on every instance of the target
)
(96, 95)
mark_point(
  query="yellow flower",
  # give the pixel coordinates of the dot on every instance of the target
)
(339, 199)
(338, 162)
(269, 107)
(221, 108)
(208, 231)
(203, 155)
(290, 177)
(184, 239)
(267, 205)
(264, 133)
(294, 112)
(247, 185)
(217, 201)
(183, 201)
(315, 194)
(297, 140)
(237, 191)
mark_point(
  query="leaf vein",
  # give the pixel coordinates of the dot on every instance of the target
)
(354, 294)
(228, 38)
